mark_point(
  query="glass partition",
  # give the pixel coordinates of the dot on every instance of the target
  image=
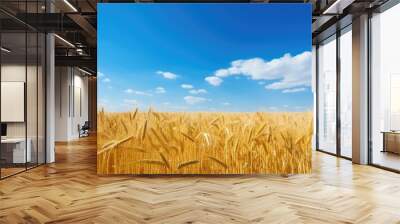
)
(14, 153)
(41, 109)
(385, 89)
(346, 92)
(31, 99)
(23, 91)
(327, 95)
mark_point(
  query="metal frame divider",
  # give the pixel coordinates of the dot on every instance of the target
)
(316, 97)
(0, 95)
(338, 75)
(369, 114)
(26, 86)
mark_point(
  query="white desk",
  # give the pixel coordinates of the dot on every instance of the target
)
(18, 150)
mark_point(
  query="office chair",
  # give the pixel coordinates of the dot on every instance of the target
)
(84, 130)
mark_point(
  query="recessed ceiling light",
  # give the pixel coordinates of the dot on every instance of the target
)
(64, 40)
(5, 50)
(84, 71)
(337, 7)
(70, 5)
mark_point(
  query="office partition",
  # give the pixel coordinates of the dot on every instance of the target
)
(22, 77)
(385, 88)
(327, 95)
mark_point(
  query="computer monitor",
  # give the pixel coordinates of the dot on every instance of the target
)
(3, 129)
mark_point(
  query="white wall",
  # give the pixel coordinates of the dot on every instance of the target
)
(80, 110)
(33, 126)
(62, 82)
(16, 72)
(71, 94)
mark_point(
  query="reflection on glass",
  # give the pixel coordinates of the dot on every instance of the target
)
(22, 91)
(394, 102)
(41, 98)
(346, 92)
(385, 93)
(31, 101)
(327, 95)
(14, 153)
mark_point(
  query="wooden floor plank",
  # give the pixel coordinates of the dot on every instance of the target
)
(70, 191)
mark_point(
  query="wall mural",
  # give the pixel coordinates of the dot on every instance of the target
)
(204, 89)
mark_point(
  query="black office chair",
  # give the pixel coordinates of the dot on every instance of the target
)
(84, 130)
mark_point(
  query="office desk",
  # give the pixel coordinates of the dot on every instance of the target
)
(391, 141)
(13, 150)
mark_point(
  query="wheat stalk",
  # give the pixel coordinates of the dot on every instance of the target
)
(238, 142)
(144, 130)
(187, 136)
(218, 161)
(165, 160)
(188, 163)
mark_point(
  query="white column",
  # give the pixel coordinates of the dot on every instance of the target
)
(50, 99)
(360, 90)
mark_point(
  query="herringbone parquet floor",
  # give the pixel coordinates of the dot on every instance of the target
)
(69, 191)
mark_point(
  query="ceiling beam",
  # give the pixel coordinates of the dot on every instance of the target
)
(78, 61)
(89, 30)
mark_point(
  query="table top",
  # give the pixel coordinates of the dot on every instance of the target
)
(391, 132)
(13, 140)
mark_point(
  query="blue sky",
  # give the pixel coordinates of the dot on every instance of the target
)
(204, 57)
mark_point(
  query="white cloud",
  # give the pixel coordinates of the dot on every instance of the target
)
(272, 108)
(106, 80)
(100, 75)
(128, 91)
(130, 102)
(187, 86)
(166, 103)
(160, 90)
(226, 104)
(198, 91)
(261, 83)
(167, 75)
(294, 90)
(288, 71)
(214, 80)
(131, 91)
(194, 100)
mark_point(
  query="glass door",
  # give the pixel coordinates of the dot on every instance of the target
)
(385, 89)
(327, 95)
(22, 77)
(346, 92)
(14, 153)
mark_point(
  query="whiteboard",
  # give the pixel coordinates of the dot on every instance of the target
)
(12, 101)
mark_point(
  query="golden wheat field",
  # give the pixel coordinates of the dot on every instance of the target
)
(204, 143)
